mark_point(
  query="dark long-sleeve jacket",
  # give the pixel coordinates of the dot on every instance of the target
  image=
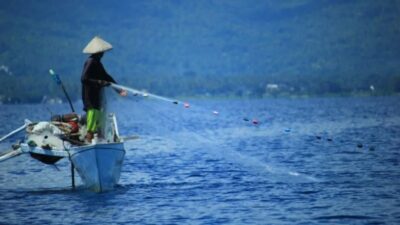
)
(93, 71)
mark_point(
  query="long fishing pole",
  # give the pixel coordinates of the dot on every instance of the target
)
(174, 101)
(146, 94)
(59, 82)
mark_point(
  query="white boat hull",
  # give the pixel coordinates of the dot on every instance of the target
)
(99, 165)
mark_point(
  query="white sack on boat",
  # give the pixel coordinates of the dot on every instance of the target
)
(46, 126)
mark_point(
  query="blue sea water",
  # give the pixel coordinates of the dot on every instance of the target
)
(307, 161)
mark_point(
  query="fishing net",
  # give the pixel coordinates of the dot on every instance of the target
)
(199, 126)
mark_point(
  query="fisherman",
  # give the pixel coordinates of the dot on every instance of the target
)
(94, 78)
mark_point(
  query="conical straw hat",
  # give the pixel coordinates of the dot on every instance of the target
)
(97, 45)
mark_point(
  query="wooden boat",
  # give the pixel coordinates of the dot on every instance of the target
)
(98, 163)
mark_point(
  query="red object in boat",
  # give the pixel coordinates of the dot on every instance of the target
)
(74, 126)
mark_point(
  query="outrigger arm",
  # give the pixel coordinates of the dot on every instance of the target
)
(15, 151)
(11, 154)
(27, 122)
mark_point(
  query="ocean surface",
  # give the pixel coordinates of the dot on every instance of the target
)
(262, 161)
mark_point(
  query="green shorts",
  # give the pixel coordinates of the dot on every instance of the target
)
(93, 120)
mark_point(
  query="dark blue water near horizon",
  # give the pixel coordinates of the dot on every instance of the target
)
(308, 161)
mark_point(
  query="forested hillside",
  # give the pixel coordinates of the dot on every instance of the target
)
(210, 47)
